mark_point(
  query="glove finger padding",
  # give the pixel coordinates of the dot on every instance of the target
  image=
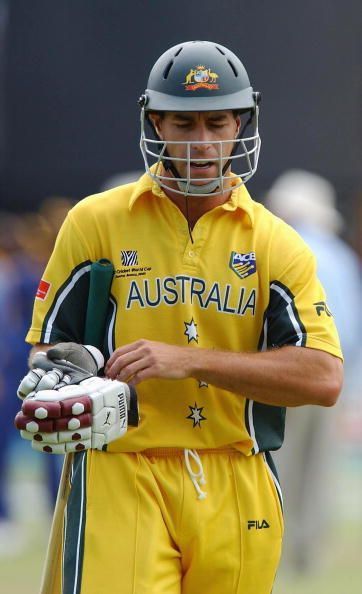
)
(62, 364)
(75, 418)
(29, 382)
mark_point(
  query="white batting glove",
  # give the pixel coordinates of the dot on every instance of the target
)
(64, 363)
(75, 418)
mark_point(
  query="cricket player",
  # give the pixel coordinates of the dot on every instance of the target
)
(216, 317)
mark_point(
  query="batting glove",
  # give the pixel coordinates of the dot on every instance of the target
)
(75, 418)
(65, 363)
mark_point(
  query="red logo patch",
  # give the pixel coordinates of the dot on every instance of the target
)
(43, 289)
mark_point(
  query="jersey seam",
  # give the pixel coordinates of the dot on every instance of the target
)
(305, 250)
(79, 232)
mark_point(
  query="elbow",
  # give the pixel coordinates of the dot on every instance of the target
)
(332, 385)
(330, 394)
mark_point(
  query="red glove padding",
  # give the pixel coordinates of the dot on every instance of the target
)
(75, 418)
(47, 417)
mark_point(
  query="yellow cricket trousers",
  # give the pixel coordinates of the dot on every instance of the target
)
(140, 523)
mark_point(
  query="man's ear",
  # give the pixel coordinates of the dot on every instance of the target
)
(156, 122)
(238, 124)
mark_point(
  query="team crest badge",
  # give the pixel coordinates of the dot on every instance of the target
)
(243, 264)
(201, 77)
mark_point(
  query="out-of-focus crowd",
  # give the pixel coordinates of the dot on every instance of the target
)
(319, 441)
(26, 242)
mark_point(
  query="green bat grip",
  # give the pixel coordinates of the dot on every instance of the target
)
(101, 276)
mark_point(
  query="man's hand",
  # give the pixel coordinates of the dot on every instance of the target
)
(65, 363)
(146, 359)
(74, 418)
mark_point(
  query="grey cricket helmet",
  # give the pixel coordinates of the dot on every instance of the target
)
(200, 76)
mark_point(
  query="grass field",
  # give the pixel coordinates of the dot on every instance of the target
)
(341, 572)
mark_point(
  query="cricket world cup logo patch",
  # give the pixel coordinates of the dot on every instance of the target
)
(201, 77)
(243, 264)
(129, 258)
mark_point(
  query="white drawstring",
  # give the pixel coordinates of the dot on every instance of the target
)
(198, 478)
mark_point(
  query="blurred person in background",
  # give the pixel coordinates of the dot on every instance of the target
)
(120, 178)
(25, 245)
(307, 202)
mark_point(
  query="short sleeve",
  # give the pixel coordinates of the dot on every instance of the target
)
(298, 313)
(60, 302)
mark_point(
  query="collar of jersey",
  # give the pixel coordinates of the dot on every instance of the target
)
(239, 197)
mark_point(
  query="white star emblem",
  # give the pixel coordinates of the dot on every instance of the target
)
(196, 415)
(203, 384)
(191, 331)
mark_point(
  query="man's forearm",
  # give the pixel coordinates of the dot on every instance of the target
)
(289, 376)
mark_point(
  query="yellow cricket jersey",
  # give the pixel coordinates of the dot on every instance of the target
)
(246, 283)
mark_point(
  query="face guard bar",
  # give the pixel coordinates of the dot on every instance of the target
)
(246, 149)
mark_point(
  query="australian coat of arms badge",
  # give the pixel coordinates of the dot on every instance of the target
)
(201, 77)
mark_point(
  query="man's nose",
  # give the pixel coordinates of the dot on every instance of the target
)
(202, 140)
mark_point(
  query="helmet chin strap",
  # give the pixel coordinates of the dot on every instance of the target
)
(186, 187)
(194, 189)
